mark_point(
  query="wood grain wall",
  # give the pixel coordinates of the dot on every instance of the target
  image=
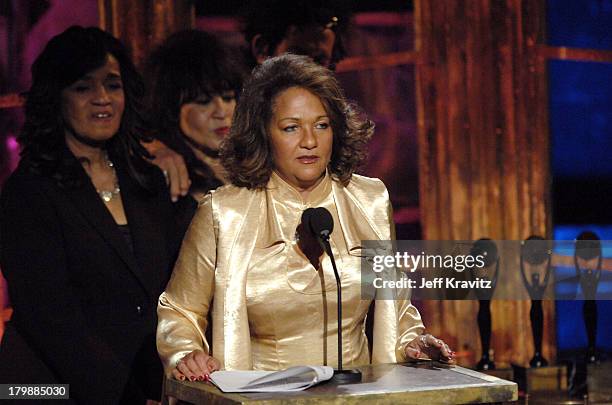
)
(484, 150)
(143, 24)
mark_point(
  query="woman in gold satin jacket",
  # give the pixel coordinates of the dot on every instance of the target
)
(295, 143)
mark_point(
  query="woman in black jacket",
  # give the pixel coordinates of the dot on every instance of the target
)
(87, 234)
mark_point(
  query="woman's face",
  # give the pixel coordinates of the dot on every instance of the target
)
(301, 137)
(207, 121)
(94, 104)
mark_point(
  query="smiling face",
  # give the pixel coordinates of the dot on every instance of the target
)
(207, 121)
(301, 137)
(93, 105)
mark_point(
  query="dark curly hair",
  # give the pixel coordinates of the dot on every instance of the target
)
(188, 66)
(246, 154)
(272, 19)
(66, 58)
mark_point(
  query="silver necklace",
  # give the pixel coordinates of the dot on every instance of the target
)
(108, 195)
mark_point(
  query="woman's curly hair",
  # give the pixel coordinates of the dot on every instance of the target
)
(270, 20)
(66, 58)
(190, 65)
(246, 154)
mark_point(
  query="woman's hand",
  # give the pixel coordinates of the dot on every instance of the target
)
(195, 366)
(173, 166)
(429, 347)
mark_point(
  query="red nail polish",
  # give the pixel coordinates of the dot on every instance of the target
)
(192, 378)
(207, 378)
(182, 378)
(201, 378)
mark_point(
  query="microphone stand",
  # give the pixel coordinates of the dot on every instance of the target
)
(341, 376)
(321, 224)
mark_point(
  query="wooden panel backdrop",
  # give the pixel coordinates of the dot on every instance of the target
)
(143, 24)
(484, 150)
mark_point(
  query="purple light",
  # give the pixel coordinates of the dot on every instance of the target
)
(12, 144)
(12, 154)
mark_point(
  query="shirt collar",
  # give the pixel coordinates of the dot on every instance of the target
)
(284, 192)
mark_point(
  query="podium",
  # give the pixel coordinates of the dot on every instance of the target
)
(599, 382)
(426, 383)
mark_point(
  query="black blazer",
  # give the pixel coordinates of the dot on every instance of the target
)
(84, 305)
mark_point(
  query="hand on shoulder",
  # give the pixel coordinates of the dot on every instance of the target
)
(173, 166)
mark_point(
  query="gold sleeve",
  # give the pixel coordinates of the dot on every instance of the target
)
(183, 307)
(409, 326)
(409, 320)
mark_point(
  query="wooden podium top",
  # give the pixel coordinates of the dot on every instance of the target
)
(381, 384)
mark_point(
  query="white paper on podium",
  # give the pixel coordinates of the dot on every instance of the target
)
(292, 379)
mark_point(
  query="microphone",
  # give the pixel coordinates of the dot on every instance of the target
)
(321, 223)
(306, 216)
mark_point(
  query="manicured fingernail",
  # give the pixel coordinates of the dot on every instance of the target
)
(192, 378)
(207, 377)
(182, 378)
(201, 378)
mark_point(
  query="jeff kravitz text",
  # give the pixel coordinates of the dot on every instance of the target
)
(435, 283)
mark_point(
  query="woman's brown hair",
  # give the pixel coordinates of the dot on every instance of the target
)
(246, 154)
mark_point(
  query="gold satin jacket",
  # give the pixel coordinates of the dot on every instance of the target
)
(271, 308)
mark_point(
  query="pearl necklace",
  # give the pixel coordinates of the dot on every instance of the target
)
(108, 195)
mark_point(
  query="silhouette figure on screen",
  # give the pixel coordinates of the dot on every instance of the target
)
(488, 249)
(535, 251)
(588, 250)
